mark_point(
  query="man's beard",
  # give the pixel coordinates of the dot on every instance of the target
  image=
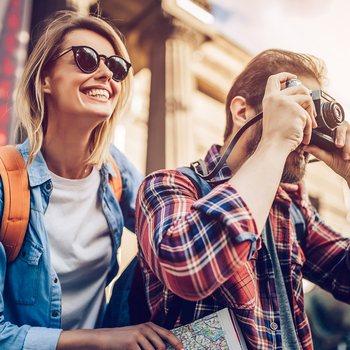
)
(294, 167)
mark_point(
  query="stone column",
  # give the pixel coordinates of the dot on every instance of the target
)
(170, 131)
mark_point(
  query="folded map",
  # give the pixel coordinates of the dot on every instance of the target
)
(219, 330)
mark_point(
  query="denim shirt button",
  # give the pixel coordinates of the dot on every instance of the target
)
(48, 187)
(55, 280)
(55, 314)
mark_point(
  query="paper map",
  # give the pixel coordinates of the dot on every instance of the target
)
(209, 333)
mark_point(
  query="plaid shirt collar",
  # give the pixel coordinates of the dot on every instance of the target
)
(211, 160)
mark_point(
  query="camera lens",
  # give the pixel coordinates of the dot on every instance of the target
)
(333, 114)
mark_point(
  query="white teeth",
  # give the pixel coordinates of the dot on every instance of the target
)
(98, 93)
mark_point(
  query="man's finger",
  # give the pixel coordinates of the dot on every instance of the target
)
(319, 153)
(274, 82)
(340, 134)
(307, 130)
(289, 187)
(346, 148)
(305, 102)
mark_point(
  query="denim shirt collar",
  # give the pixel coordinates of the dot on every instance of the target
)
(106, 170)
(38, 172)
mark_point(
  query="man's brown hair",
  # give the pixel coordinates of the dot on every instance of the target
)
(251, 83)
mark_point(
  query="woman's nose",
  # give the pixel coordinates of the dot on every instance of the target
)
(103, 72)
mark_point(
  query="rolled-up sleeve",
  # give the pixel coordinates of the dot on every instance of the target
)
(42, 338)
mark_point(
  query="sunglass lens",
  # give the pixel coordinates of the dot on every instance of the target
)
(119, 68)
(87, 59)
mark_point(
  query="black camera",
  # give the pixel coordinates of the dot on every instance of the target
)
(330, 114)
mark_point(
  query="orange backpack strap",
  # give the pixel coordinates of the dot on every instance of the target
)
(116, 182)
(15, 216)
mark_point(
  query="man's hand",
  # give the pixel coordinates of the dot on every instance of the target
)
(146, 336)
(289, 114)
(300, 186)
(338, 160)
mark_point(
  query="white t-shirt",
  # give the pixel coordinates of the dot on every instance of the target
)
(80, 246)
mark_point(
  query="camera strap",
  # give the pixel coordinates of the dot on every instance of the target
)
(208, 176)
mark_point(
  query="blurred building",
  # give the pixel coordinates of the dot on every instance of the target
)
(183, 70)
(15, 18)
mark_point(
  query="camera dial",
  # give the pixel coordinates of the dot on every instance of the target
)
(293, 82)
(333, 114)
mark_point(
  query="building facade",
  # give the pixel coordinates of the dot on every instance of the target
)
(183, 70)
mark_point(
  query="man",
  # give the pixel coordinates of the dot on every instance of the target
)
(217, 250)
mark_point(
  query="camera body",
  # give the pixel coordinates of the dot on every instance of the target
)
(330, 114)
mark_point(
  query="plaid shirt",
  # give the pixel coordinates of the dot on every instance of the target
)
(209, 250)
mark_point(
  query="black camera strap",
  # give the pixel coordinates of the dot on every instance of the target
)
(208, 176)
(227, 152)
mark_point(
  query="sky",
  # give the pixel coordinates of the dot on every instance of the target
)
(317, 27)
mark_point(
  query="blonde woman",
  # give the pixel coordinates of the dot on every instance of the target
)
(75, 84)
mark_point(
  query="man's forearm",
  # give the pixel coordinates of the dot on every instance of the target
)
(258, 179)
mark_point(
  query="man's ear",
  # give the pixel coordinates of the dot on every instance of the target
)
(239, 109)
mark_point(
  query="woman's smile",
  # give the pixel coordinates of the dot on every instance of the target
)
(65, 82)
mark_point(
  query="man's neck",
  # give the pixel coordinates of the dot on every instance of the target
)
(238, 155)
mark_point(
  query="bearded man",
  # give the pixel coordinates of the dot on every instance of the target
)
(237, 246)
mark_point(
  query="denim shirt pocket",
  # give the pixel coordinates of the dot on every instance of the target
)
(23, 273)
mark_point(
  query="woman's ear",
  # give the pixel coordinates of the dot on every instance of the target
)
(240, 111)
(46, 86)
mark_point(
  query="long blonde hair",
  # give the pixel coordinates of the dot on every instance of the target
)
(30, 104)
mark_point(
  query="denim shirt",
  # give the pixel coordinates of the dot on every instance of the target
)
(30, 292)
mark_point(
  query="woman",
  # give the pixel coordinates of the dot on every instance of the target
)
(76, 82)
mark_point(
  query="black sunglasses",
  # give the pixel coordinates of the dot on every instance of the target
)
(88, 60)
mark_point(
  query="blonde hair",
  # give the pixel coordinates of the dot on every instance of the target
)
(30, 104)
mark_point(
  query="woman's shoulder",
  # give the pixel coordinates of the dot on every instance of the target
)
(121, 160)
(125, 166)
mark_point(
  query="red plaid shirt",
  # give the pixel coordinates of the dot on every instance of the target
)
(209, 250)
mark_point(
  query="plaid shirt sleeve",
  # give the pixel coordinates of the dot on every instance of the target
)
(327, 258)
(192, 245)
